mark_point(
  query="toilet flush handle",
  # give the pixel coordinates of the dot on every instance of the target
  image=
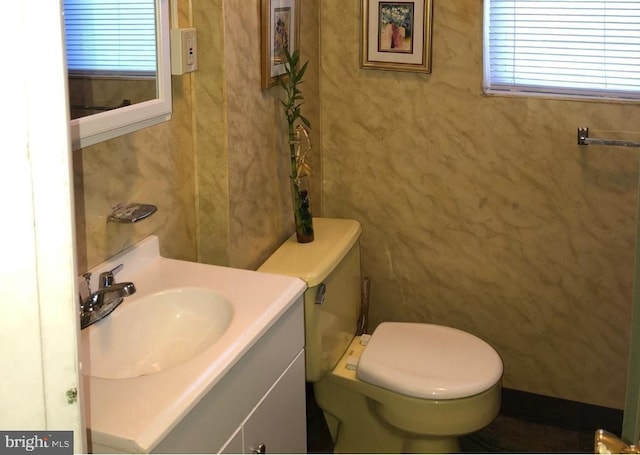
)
(322, 289)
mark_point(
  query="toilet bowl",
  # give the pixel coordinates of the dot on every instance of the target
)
(421, 397)
(408, 387)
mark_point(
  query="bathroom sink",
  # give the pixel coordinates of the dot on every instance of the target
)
(155, 332)
(170, 344)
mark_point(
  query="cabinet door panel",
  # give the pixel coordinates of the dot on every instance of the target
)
(234, 444)
(278, 423)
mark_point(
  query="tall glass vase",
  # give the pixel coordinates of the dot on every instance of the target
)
(302, 210)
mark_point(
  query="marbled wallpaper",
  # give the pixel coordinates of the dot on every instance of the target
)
(155, 166)
(478, 212)
(244, 201)
(218, 171)
(482, 212)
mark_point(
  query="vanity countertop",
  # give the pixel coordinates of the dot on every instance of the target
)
(135, 414)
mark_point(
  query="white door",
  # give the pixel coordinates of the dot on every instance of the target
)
(37, 259)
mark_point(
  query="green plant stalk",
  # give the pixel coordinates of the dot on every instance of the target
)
(294, 178)
(292, 151)
(302, 214)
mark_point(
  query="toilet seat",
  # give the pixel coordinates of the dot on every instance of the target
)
(429, 361)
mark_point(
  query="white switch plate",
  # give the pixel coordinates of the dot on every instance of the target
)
(184, 50)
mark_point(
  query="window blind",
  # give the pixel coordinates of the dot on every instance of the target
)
(110, 36)
(570, 47)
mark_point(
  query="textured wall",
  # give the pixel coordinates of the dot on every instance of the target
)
(478, 212)
(482, 212)
(244, 202)
(155, 166)
(218, 171)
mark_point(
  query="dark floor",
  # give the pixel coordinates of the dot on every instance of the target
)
(510, 435)
(504, 435)
(318, 437)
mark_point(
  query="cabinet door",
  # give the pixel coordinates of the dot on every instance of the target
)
(234, 444)
(278, 424)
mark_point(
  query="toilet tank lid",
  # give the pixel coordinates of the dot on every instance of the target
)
(313, 261)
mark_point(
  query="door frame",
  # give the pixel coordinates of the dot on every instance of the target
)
(38, 289)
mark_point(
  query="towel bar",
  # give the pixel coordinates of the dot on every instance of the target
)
(584, 139)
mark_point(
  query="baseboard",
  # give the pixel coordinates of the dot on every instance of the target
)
(572, 415)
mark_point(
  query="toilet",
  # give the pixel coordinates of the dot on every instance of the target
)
(406, 388)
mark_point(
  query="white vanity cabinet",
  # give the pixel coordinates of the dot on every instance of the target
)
(277, 424)
(259, 404)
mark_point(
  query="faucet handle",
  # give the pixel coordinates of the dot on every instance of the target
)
(106, 279)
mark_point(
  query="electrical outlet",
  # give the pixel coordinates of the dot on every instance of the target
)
(184, 50)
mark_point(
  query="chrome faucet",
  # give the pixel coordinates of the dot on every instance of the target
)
(101, 303)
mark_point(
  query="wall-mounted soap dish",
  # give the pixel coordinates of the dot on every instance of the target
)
(131, 213)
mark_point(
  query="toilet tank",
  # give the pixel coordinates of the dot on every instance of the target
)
(331, 263)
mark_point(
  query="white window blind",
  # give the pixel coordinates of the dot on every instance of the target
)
(110, 36)
(565, 47)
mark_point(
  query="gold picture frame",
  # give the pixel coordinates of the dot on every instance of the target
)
(280, 27)
(396, 35)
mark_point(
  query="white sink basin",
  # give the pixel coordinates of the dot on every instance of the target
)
(150, 362)
(156, 332)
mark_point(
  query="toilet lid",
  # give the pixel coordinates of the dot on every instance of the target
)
(429, 361)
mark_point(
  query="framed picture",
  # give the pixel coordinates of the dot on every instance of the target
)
(280, 26)
(396, 35)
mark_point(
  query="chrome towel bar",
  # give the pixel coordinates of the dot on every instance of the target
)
(584, 139)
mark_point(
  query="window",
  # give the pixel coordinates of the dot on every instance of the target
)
(564, 47)
(110, 37)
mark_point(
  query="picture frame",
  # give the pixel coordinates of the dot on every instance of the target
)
(280, 27)
(396, 35)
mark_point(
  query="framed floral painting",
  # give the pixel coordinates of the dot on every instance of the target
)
(280, 24)
(396, 35)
